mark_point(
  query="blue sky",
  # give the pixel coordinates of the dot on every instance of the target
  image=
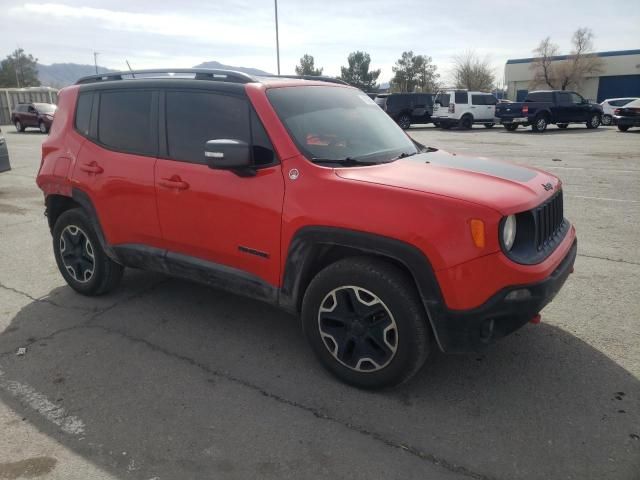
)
(182, 33)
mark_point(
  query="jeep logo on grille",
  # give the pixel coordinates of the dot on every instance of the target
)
(547, 186)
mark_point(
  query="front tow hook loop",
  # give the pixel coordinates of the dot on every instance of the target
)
(536, 320)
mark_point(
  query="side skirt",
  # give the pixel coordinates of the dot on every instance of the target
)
(196, 269)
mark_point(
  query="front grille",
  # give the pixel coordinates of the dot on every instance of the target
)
(548, 218)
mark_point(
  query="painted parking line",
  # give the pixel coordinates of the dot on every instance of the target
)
(604, 198)
(42, 405)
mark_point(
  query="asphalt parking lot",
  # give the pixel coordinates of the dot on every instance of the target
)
(165, 379)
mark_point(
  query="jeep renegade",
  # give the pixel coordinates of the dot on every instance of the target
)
(306, 195)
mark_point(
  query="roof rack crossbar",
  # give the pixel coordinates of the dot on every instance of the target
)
(198, 73)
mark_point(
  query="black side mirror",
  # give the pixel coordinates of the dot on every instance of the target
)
(228, 154)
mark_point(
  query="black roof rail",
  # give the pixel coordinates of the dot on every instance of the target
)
(198, 74)
(317, 78)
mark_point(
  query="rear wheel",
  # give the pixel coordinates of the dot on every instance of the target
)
(366, 323)
(563, 125)
(594, 121)
(607, 120)
(539, 124)
(623, 128)
(79, 255)
(19, 126)
(511, 127)
(404, 121)
(43, 128)
(445, 126)
(466, 122)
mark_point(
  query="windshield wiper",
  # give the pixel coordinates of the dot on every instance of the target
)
(403, 155)
(343, 161)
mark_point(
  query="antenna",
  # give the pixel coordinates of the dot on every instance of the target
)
(130, 69)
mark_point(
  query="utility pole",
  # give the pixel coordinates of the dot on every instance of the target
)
(95, 61)
(277, 38)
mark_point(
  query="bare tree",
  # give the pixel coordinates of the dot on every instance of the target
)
(569, 72)
(472, 72)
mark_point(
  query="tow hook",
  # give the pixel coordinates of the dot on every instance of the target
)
(536, 320)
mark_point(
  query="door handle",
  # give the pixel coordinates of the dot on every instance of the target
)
(174, 182)
(92, 167)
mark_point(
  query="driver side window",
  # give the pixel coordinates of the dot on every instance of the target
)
(576, 99)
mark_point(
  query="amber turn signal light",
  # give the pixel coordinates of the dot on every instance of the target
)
(477, 232)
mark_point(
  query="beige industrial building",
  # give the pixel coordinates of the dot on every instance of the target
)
(10, 97)
(620, 77)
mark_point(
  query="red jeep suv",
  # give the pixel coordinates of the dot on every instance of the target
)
(306, 195)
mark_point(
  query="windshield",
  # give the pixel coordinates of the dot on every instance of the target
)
(337, 124)
(45, 107)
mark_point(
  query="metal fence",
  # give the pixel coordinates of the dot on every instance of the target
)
(10, 97)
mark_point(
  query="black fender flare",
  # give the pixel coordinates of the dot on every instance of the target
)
(310, 242)
(82, 198)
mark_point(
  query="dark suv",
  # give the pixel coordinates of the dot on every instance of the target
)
(39, 115)
(303, 194)
(407, 108)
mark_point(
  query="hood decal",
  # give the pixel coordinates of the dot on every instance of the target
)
(494, 168)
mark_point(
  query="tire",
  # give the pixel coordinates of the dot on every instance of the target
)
(593, 122)
(539, 124)
(623, 128)
(607, 120)
(445, 126)
(84, 265)
(436, 124)
(43, 128)
(19, 126)
(511, 127)
(489, 125)
(366, 289)
(404, 121)
(466, 122)
(563, 125)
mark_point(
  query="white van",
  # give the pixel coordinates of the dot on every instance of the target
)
(463, 108)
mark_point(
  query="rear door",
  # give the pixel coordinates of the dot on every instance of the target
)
(420, 112)
(115, 167)
(217, 215)
(479, 107)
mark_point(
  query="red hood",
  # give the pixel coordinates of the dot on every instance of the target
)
(503, 186)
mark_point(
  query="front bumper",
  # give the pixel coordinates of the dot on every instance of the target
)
(464, 331)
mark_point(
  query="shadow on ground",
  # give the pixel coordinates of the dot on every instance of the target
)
(181, 381)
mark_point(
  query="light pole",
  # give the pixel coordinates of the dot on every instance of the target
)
(277, 38)
(95, 61)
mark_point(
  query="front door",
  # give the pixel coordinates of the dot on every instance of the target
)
(218, 215)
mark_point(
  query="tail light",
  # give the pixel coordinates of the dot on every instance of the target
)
(452, 108)
(525, 109)
(616, 111)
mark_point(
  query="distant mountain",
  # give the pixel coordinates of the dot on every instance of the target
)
(249, 70)
(60, 75)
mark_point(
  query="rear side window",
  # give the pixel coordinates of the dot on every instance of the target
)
(83, 113)
(620, 103)
(462, 97)
(193, 118)
(564, 97)
(442, 99)
(124, 122)
(540, 97)
(477, 100)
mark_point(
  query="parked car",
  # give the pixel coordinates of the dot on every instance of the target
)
(627, 116)
(545, 107)
(407, 108)
(38, 115)
(4, 154)
(305, 195)
(609, 105)
(464, 109)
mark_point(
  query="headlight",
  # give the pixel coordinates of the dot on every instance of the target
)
(509, 232)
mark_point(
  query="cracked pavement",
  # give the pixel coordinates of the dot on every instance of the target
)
(173, 380)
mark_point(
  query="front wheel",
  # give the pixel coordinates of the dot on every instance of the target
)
(43, 128)
(623, 128)
(80, 258)
(404, 121)
(607, 120)
(365, 322)
(594, 121)
(19, 126)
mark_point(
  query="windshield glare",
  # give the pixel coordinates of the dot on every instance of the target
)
(335, 123)
(45, 107)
